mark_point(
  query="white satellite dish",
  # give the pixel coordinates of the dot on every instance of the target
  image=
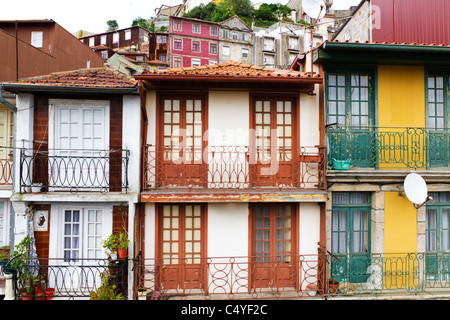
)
(416, 189)
(315, 9)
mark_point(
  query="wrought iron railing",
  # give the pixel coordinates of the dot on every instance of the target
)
(388, 147)
(234, 167)
(74, 170)
(232, 277)
(45, 279)
(405, 273)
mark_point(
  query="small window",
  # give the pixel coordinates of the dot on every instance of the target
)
(115, 38)
(196, 62)
(196, 28)
(161, 39)
(105, 54)
(162, 58)
(211, 62)
(213, 48)
(177, 44)
(244, 52)
(37, 39)
(226, 50)
(213, 31)
(235, 35)
(91, 42)
(140, 58)
(225, 34)
(244, 36)
(177, 62)
(103, 39)
(177, 26)
(127, 34)
(195, 46)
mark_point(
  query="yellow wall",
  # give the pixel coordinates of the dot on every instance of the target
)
(401, 104)
(400, 224)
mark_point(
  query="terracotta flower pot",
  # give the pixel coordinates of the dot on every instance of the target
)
(122, 253)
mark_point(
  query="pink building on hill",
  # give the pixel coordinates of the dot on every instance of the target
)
(193, 42)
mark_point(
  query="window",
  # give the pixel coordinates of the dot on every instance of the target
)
(226, 50)
(350, 237)
(437, 236)
(162, 58)
(244, 53)
(177, 25)
(6, 132)
(269, 60)
(127, 34)
(195, 28)
(213, 31)
(225, 34)
(3, 224)
(235, 35)
(211, 62)
(213, 48)
(269, 44)
(244, 36)
(196, 62)
(105, 54)
(161, 39)
(177, 44)
(195, 46)
(293, 43)
(177, 62)
(115, 37)
(91, 42)
(37, 39)
(103, 39)
(139, 58)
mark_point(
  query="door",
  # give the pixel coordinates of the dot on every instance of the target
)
(181, 142)
(350, 236)
(78, 155)
(80, 231)
(274, 151)
(181, 250)
(273, 234)
(350, 117)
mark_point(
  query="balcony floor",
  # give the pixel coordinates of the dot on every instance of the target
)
(234, 195)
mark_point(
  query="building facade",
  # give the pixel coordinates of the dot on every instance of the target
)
(236, 41)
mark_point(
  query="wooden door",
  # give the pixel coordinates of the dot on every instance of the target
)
(274, 152)
(181, 242)
(273, 232)
(181, 141)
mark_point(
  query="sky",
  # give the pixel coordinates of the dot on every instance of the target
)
(92, 15)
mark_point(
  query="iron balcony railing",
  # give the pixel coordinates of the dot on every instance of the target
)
(45, 279)
(232, 277)
(375, 273)
(388, 147)
(234, 167)
(74, 170)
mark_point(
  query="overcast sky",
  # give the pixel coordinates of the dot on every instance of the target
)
(91, 15)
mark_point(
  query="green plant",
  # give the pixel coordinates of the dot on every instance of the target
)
(4, 253)
(21, 254)
(110, 244)
(123, 241)
(107, 291)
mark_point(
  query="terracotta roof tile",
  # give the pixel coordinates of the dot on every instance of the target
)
(233, 69)
(95, 77)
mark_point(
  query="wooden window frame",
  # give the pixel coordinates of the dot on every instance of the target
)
(194, 46)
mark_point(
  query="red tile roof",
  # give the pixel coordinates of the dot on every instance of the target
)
(95, 77)
(233, 69)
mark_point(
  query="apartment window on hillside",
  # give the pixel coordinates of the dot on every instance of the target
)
(195, 46)
(127, 34)
(213, 48)
(161, 39)
(225, 34)
(226, 50)
(91, 42)
(37, 39)
(196, 62)
(195, 28)
(103, 40)
(177, 44)
(177, 62)
(235, 35)
(269, 60)
(244, 53)
(269, 44)
(213, 31)
(293, 43)
(176, 25)
(244, 36)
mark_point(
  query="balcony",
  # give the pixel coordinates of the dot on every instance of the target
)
(74, 170)
(233, 169)
(392, 148)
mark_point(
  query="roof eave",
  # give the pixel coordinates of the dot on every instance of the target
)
(31, 88)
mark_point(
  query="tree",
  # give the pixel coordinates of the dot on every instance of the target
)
(140, 22)
(202, 12)
(112, 25)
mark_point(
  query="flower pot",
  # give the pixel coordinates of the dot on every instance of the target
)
(122, 253)
(26, 296)
(36, 187)
(341, 164)
(49, 293)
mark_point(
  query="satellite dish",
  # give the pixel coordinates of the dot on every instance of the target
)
(315, 9)
(416, 189)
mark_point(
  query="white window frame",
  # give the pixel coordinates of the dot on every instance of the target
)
(103, 39)
(91, 41)
(195, 62)
(226, 50)
(199, 46)
(177, 40)
(225, 34)
(196, 28)
(127, 34)
(37, 39)
(213, 31)
(115, 37)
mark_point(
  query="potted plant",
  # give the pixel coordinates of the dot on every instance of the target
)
(4, 257)
(107, 291)
(110, 244)
(122, 245)
(26, 286)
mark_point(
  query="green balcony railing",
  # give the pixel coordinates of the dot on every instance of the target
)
(388, 147)
(403, 273)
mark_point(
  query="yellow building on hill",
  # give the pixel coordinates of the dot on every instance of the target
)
(387, 109)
